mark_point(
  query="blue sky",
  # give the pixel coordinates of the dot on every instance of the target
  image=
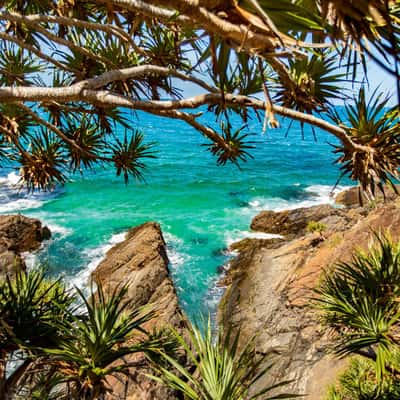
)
(376, 75)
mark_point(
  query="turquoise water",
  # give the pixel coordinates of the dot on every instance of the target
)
(201, 207)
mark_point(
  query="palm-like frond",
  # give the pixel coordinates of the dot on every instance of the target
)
(359, 301)
(374, 125)
(232, 147)
(87, 139)
(16, 67)
(360, 24)
(92, 343)
(31, 306)
(127, 155)
(43, 162)
(358, 383)
(218, 368)
(316, 81)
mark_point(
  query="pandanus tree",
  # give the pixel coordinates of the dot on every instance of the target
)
(359, 301)
(216, 368)
(69, 70)
(56, 345)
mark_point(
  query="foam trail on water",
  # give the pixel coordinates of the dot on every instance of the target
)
(235, 236)
(57, 230)
(176, 255)
(19, 205)
(13, 198)
(316, 194)
(96, 255)
(12, 179)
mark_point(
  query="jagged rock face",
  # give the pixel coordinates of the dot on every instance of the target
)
(141, 261)
(270, 290)
(19, 234)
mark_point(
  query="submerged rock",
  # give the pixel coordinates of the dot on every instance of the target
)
(270, 287)
(19, 234)
(141, 262)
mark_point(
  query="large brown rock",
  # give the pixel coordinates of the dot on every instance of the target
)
(293, 223)
(351, 197)
(269, 295)
(19, 234)
(141, 261)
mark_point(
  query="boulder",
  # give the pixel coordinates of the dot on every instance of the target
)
(351, 197)
(141, 262)
(19, 234)
(269, 294)
(293, 223)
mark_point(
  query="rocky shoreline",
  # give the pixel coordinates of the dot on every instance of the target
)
(268, 285)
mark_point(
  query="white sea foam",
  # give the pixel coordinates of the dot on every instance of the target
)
(176, 255)
(19, 205)
(236, 235)
(95, 255)
(14, 199)
(58, 230)
(12, 179)
(316, 194)
(30, 259)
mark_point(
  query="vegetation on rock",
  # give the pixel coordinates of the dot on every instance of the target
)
(359, 303)
(220, 369)
(359, 382)
(55, 341)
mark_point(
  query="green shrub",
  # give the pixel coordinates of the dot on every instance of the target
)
(317, 227)
(359, 382)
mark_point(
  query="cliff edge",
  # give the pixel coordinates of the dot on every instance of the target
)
(269, 287)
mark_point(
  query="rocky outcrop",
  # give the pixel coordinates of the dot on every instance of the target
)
(293, 223)
(270, 287)
(19, 234)
(141, 262)
(352, 197)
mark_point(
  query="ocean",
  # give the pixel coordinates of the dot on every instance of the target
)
(202, 208)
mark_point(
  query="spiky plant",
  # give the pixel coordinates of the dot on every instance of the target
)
(218, 369)
(359, 383)
(31, 308)
(43, 162)
(359, 302)
(316, 84)
(127, 155)
(92, 343)
(375, 129)
(231, 146)
(360, 24)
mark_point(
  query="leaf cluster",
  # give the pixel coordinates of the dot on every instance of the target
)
(359, 302)
(374, 126)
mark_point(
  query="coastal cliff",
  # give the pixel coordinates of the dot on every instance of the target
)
(141, 262)
(269, 286)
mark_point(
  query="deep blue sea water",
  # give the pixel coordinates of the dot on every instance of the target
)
(201, 207)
